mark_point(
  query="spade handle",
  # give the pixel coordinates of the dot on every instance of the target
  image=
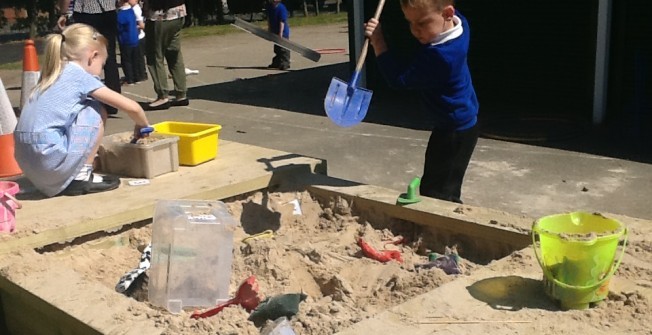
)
(365, 46)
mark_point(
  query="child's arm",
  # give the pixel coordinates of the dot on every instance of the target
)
(117, 100)
(374, 32)
(280, 29)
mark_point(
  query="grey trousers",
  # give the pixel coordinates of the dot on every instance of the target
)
(164, 45)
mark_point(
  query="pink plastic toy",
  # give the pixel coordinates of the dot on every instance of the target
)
(8, 205)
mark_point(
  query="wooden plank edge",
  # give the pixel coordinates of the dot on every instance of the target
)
(26, 313)
(429, 212)
(117, 221)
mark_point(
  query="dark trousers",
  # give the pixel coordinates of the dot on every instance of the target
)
(129, 61)
(282, 56)
(141, 70)
(106, 24)
(447, 157)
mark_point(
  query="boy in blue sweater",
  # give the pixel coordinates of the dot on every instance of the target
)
(439, 71)
(128, 39)
(277, 21)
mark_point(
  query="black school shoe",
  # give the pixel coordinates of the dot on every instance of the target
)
(180, 102)
(80, 187)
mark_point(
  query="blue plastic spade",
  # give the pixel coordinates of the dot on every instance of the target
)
(346, 104)
(143, 131)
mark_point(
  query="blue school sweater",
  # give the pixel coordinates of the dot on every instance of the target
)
(276, 15)
(127, 27)
(439, 71)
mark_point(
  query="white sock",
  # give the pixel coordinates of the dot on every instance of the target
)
(85, 173)
(97, 178)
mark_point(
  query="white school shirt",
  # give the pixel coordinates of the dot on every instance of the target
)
(139, 18)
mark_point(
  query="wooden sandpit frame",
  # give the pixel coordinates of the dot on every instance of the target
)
(239, 170)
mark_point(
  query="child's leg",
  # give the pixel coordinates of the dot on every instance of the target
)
(141, 72)
(96, 147)
(85, 181)
(127, 57)
(447, 157)
(276, 61)
(284, 58)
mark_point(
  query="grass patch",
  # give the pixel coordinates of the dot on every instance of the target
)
(13, 65)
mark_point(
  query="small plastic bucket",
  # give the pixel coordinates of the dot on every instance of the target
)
(8, 205)
(578, 256)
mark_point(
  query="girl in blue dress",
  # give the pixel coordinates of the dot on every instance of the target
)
(62, 124)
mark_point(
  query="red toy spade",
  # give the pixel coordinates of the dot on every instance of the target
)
(247, 297)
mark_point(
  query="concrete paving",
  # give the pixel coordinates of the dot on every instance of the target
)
(591, 169)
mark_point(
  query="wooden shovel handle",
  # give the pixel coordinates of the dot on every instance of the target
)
(365, 46)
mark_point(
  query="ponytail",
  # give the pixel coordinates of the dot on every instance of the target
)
(68, 45)
(52, 65)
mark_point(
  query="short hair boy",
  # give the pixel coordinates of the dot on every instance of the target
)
(128, 39)
(439, 71)
(277, 22)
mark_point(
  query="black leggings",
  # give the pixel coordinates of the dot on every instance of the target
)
(447, 157)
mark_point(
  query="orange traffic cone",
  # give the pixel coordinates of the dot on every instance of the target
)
(8, 165)
(31, 71)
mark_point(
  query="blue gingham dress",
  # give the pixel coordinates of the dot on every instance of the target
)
(58, 129)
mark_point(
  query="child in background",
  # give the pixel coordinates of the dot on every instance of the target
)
(62, 124)
(439, 71)
(141, 71)
(128, 39)
(277, 21)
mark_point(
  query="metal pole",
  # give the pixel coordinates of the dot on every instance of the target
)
(601, 62)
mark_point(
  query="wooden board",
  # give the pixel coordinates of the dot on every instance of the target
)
(238, 169)
(497, 227)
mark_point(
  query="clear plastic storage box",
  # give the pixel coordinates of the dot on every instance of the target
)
(192, 253)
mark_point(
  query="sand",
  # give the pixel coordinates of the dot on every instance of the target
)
(315, 252)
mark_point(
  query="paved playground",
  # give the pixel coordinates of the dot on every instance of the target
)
(283, 110)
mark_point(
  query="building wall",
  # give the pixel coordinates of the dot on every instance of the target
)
(526, 57)
(630, 76)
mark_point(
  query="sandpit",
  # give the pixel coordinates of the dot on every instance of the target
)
(315, 253)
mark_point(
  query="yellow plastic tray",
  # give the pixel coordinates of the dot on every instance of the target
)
(198, 142)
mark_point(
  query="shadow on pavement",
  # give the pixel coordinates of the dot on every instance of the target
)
(303, 91)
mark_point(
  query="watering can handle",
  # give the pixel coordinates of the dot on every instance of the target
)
(365, 48)
(12, 198)
(549, 275)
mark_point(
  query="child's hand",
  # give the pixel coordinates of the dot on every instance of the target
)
(372, 29)
(142, 131)
(374, 32)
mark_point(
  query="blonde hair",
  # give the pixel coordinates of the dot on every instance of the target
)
(437, 5)
(69, 45)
